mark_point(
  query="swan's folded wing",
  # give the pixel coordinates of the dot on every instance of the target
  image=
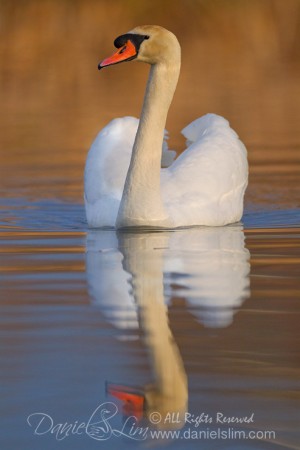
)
(105, 170)
(168, 156)
(206, 184)
(108, 159)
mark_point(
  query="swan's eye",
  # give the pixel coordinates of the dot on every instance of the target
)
(146, 37)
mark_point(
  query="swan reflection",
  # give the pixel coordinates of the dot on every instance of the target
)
(133, 276)
(211, 268)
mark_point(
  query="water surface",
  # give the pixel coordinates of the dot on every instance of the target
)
(197, 321)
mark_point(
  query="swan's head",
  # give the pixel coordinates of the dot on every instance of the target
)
(148, 43)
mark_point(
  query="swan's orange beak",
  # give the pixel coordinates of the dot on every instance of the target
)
(133, 401)
(126, 53)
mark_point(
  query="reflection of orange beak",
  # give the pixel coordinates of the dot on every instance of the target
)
(125, 53)
(133, 400)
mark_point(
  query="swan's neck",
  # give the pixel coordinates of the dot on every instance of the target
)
(141, 203)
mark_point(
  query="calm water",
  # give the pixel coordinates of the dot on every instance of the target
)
(199, 321)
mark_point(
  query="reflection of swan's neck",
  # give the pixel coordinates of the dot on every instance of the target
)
(143, 259)
(141, 202)
(170, 391)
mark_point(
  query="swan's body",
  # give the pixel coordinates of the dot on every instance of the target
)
(124, 183)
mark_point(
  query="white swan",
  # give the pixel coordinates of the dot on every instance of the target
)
(124, 183)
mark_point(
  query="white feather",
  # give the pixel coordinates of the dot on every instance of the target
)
(204, 185)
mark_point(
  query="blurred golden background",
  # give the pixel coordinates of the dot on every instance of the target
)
(240, 59)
